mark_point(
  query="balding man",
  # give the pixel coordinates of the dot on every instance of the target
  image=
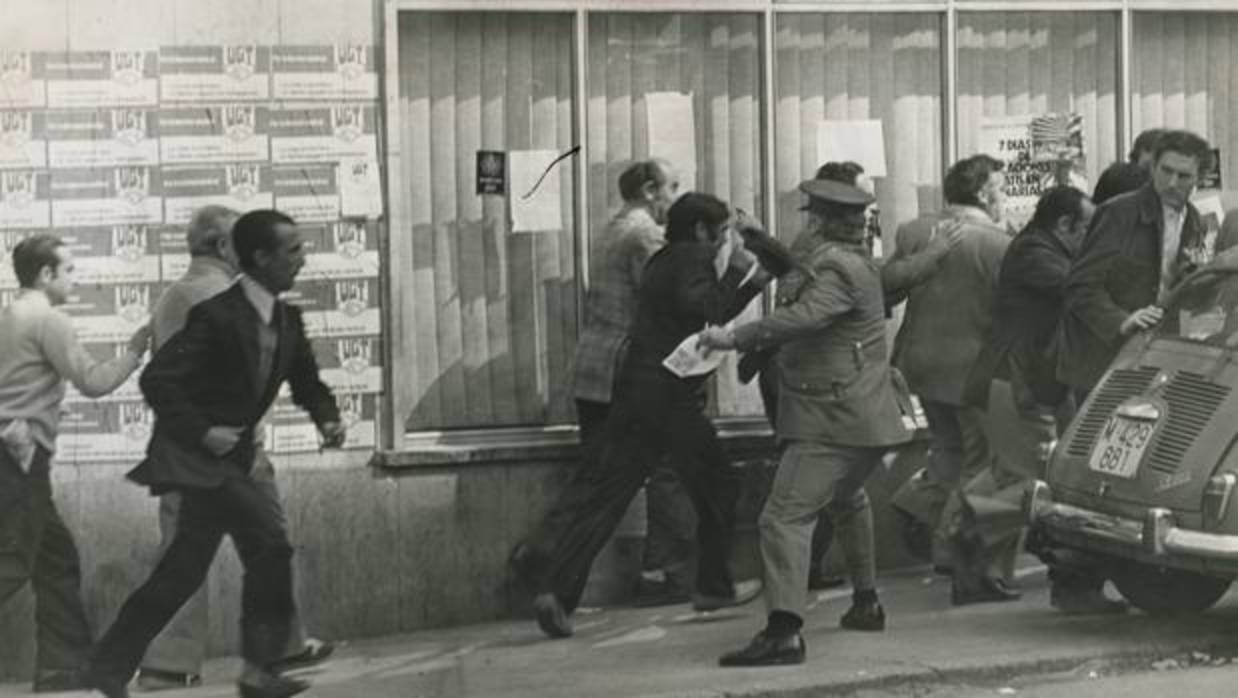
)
(648, 188)
(175, 658)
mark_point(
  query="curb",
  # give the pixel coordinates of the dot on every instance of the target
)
(925, 678)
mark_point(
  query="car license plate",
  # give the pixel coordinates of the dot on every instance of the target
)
(1120, 446)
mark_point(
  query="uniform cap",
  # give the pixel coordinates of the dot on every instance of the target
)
(835, 192)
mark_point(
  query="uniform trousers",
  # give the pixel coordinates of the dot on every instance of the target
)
(181, 647)
(656, 417)
(823, 532)
(240, 508)
(36, 547)
(812, 475)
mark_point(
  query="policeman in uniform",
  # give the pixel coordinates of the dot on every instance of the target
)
(838, 413)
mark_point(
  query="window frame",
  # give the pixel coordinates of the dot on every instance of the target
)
(396, 404)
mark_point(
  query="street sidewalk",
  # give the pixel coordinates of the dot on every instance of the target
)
(673, 651)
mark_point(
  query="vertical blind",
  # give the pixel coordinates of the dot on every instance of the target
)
(714, 57)
(1183, 76)
(1014, 63)
(860, 66)
(493, 312)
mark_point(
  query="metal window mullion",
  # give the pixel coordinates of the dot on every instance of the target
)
(582, 164)
(768, 185)
(1125, 93)
(950, 125)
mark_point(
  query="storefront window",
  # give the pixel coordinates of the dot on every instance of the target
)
(488, 294)
(1013, 64)
(854, 68)
(686, 87)
(1182, 76)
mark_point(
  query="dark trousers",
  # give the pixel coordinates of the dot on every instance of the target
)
(655, 415)
(35, 546)
(241, 509)
(669, 516)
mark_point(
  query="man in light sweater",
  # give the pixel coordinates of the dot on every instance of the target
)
(175, 658)
(39, 353)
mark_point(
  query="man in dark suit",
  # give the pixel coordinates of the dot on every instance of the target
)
(209, 387)
(1139, 246)
(655, 413)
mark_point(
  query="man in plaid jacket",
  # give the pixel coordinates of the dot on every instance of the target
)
(648, 188)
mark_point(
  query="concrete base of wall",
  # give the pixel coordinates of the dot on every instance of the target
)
(380, 552)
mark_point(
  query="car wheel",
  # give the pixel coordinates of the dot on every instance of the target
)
(1159, 591)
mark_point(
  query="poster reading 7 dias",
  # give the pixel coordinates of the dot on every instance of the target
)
(1040, 152)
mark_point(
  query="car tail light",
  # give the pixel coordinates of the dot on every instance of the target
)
(1216, 496)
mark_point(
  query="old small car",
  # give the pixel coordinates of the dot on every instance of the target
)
(1144, 477)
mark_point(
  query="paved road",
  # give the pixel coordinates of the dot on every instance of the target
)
(928, 647)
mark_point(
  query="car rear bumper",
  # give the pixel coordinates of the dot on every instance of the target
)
(1155, 537)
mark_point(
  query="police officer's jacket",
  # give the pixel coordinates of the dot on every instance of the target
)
(835, 377)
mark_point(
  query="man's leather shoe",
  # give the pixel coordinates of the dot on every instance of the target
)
(159, 680)
(315, 652)
(272, 687)
(989, 590)
(667, 592)
(745, 592)
(1085, 602)
(60, 681)
(109, 687)
(767, 650)
(551, 617)
(864, 616)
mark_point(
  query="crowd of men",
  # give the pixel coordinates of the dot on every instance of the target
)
(1002, 336)
(224, 344)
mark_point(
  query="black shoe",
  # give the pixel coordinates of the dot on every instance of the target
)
(551, 617)
(818, 581)
(60, 681)
(659, 593)
(990, 590)
(864, 616)
(1084, 602)
(272, 687)
(150, 680)
(109, 687)
(745, 592)
(315, 652)
(766, 650)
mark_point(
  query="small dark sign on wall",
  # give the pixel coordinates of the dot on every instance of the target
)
(491, 172)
